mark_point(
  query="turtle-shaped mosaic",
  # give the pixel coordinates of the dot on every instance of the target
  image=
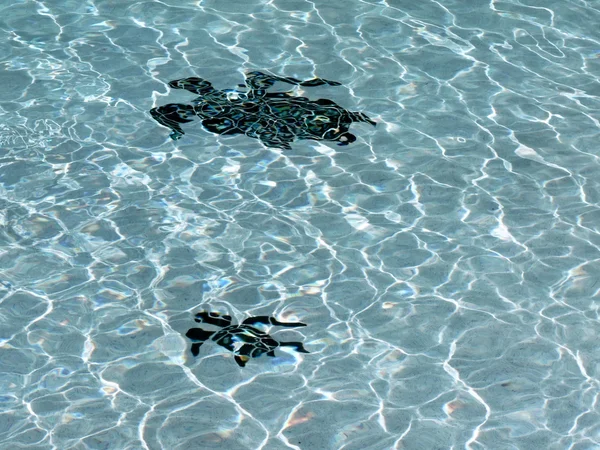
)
(244, 340)
(275, 118)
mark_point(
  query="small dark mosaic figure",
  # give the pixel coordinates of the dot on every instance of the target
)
(244, 340)
(275, 118)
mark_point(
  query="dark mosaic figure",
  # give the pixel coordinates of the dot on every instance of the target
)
(244, 340)
(275, 118)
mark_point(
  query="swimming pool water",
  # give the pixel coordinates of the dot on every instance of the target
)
(446, 263)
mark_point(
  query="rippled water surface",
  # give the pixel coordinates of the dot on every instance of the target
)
(446, 263)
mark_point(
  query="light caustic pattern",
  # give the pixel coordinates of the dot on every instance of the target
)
(446, 263)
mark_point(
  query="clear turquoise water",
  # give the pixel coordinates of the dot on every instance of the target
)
(446, 263)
